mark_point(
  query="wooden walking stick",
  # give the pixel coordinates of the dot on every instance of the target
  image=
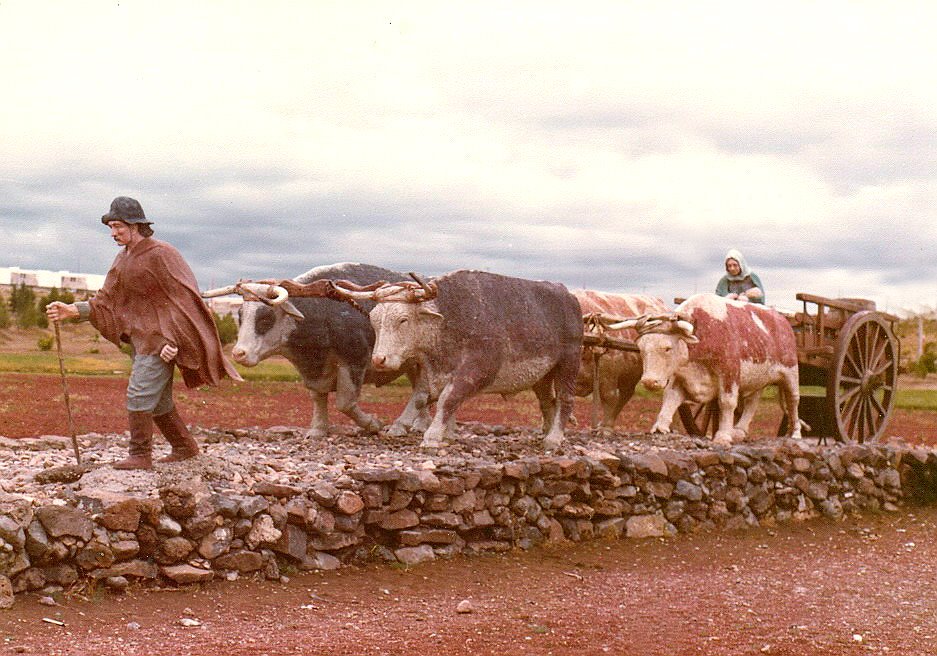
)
(68, 405)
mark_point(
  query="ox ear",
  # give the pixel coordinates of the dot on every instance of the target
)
(429, 309)
(291, 310)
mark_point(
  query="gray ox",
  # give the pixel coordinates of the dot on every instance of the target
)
(715, 348)
(328, 341)
(483, 332)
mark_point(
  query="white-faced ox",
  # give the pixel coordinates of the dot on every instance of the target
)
(618, 371)
(328, 341)
(485, 332)
(712, 348)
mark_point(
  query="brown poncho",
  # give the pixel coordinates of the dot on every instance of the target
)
(150, 299)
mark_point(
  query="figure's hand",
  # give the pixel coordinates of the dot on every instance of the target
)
(58, 311)
(168, 353)
(734, 297)
(753, 294)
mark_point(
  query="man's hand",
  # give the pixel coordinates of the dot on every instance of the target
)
(168, 353)
(58, 311)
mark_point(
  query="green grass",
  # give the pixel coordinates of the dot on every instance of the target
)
(916, 399)
(906, 399)
(91, 365)
(280, 370)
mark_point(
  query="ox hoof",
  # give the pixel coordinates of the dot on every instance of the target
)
(724, 439)
(396, 430)
(552, 443)
(317, 433)
(432, 444)
(372, 428)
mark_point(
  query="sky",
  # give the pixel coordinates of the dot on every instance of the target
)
(618, 146)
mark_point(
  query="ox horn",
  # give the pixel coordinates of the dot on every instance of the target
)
(220, 291)
(627, 323)
(686, 327)
(271, 294)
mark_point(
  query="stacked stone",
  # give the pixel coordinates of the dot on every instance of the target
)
(405, 515)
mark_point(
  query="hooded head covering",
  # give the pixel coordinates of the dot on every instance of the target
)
(733, 254)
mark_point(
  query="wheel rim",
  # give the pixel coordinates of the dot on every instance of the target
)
(865, 374)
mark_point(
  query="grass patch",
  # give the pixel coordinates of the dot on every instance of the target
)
(48, 363)
(105, 365)
(906, 399)
(916, 399)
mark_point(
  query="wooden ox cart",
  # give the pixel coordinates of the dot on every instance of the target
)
(844, 346)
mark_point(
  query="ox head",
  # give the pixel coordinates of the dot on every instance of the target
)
(405, 319)
(265, 319)
(663, 341)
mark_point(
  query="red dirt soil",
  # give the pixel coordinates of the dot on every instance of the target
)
(860, 586)
(33, 405)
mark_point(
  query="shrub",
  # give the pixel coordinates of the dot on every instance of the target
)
(927, 363)
(45, 342)
(227, 328)
(4, 314)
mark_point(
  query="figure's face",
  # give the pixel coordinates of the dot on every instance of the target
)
(732, 267)
(122, 233)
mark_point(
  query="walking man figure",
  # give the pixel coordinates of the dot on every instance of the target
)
(150, 300)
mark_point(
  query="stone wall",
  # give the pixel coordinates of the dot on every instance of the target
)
(411, 515)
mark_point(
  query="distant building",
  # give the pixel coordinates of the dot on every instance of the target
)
(223, 305)
(41, 280)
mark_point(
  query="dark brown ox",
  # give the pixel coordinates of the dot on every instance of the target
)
(608, 373)
(715, 348)
(471, 332)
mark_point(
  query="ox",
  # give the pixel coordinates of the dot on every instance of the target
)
(328, 341)
(618, 371)
(475, 332)
(713, 348)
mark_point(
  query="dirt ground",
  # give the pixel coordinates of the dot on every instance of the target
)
(861, 586)
(856, 587)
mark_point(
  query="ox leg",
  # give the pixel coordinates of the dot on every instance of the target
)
(615, 400)
(415, 415)
(563, 379)
(789, 398)
(749, 408)
(673, 399)
(319, 427)
(347, 391)
(438, 430)
(728, 402)
(453, 394)
(546, 398)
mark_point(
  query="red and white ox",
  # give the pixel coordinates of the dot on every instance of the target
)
(713, 348)
(618, 371)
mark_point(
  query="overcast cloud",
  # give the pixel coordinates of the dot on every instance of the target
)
(621, 146)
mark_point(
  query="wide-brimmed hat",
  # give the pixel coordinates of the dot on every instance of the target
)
(126, 209)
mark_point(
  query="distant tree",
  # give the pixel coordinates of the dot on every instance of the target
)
(227, 327)
(23, 304)
(54, 295)
(4, 314)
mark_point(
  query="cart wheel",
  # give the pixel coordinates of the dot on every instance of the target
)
(861, 391)
(699, 419)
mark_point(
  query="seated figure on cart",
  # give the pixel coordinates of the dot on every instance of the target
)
(740, 282)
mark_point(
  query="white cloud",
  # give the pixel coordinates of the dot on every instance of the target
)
(611, 144)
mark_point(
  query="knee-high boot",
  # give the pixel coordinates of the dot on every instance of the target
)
(174, 429)
(141, 442)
